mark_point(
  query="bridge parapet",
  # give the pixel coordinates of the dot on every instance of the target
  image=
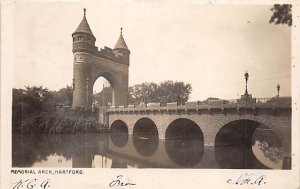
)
(261, 103)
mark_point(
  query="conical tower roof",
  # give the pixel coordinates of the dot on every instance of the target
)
(121, 43)
(84, 26)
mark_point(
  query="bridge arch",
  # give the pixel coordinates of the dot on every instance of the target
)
(119, 133)
(119, 126)
(145, 136)
(145, 126)
(184, 142)
(266, 121)
(183, 128)
(235, 144)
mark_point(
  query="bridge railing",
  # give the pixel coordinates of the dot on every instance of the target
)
(274, 102)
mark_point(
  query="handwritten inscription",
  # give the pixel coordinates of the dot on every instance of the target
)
(248, 179)
(119, 182)
(31, 184)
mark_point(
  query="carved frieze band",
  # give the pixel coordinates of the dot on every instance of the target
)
(81, 58)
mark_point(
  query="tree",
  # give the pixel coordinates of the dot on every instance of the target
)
(143, 93)
(38, 97)
(65, 95)
(164, 92)
(282, 14)
(32, 99)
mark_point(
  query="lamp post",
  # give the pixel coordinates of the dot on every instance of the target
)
(246, 78)
(278, 89)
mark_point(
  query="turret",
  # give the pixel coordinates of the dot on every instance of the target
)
(121, 50)
(83, 38)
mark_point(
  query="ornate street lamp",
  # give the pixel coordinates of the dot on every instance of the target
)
(278, 89)
(246, 77)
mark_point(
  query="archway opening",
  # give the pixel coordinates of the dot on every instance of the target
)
(102, 93)
(184, 142)
(119, 133)
(238, 145)
(145, 137)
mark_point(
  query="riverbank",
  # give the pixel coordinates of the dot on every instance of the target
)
(59, 122)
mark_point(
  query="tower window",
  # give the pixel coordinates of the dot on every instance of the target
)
(89, 39)
(80, 38)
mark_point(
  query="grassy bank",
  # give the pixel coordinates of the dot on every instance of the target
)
(59, 122)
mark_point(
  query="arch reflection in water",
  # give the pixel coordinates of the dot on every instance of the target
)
(233, 145)
(267, 148)
(145, 137)
(119, 133)
(184, 142)
(118, 164)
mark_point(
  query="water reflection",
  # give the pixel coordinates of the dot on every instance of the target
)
(268, 148)
(145, 145)
(185, 152)
(119, 139)
(236, 146)
(118, 164)
(119, 133)
(30, 149)
(184, 142)
(96, 150)
(145, 137)
(60, 160)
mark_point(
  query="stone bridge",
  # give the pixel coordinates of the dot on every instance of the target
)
(212, 119)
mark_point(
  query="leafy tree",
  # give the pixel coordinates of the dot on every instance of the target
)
(170, 91)
(64, 95)
(211, 98)
(143, 93)
(32, 99)
(282, 14)
(38, 97)
(167, 91)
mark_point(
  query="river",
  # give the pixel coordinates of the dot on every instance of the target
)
(119, 150)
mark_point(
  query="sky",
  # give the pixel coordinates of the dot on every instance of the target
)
(208, 46)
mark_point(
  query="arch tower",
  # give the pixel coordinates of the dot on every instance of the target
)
(91, 63)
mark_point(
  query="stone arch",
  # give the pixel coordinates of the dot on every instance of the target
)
(119, 133)
(88, 59)
(145, 136)
(184, 125)
(184, 142)
(89, 70)
(112, 80)
(145, 126)
(108, 76)
(267, 121)
(119, 126)
(233, 146)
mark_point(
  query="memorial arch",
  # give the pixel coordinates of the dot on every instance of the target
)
(91, 63)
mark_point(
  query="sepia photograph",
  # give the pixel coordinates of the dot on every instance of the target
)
(150, 86)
